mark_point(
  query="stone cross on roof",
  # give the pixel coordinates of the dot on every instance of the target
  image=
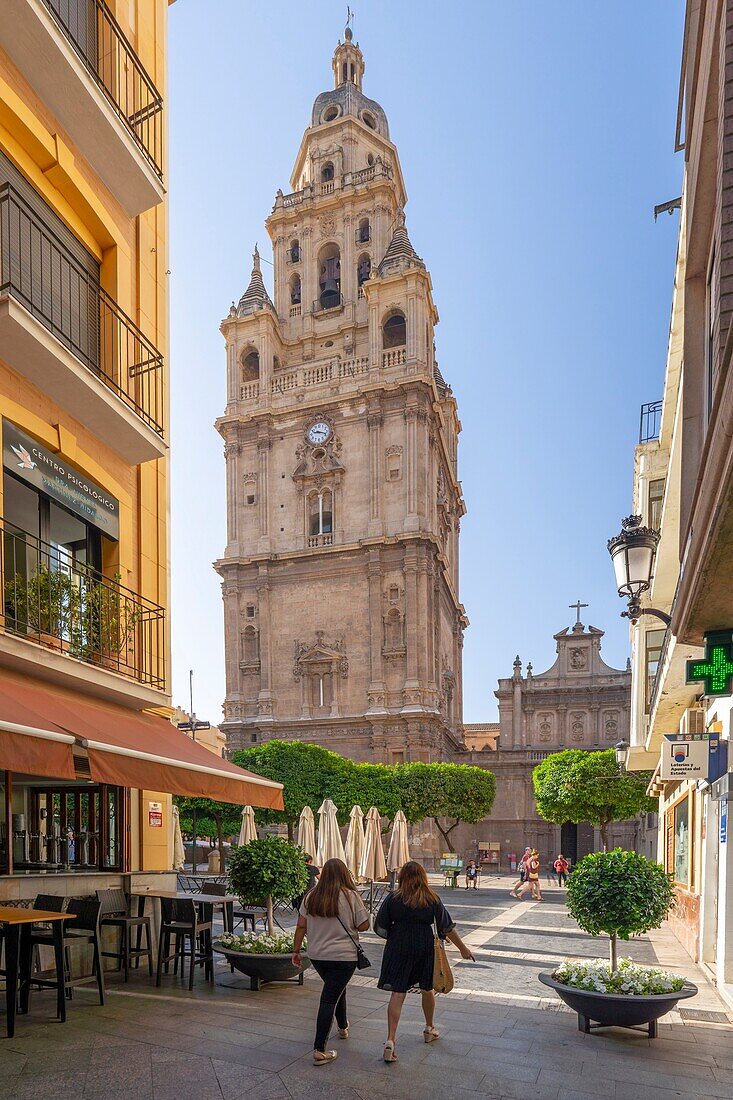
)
(577, 605)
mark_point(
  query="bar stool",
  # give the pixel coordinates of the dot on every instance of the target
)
(115, 913)
(81, 928)
(192, 938)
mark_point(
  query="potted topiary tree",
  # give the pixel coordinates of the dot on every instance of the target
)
(621, 894)
(264, 872)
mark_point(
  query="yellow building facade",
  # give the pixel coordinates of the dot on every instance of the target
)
(84, 497)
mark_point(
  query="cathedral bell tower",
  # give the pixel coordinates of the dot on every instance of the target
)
(343, 624)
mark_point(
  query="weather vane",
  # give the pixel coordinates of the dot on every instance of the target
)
(349, 17)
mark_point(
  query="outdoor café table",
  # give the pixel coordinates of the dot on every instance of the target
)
(16, 925)
(223, 901)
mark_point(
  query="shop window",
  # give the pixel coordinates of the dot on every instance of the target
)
(679, 864)
(394, 331)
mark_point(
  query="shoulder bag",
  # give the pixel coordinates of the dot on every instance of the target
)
(362, 962)
(442, 973)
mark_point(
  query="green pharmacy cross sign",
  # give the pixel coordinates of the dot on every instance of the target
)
(716, 669)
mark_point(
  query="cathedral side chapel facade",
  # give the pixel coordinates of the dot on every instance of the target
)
(343, 623)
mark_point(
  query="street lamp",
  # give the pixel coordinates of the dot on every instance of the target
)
(621, 748)
(632, 553)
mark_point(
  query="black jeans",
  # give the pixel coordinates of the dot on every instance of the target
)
(562, 878)
(336, 976)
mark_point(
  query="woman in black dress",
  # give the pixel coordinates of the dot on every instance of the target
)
(406, 920)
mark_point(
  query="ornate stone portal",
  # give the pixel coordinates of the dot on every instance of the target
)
(340, 575)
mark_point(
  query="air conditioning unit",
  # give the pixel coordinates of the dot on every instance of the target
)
(692, 721)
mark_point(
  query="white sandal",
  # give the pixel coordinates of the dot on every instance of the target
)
(324, 1057)
(344, 1032)
(389, 1054)
(431, 1034)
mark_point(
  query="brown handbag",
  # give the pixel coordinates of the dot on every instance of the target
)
(442, 973)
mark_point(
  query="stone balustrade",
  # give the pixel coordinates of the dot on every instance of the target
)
(395, 357)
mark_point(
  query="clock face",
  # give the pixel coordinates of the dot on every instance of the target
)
(319, 432)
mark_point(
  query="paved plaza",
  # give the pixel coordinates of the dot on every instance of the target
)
(501, 1035)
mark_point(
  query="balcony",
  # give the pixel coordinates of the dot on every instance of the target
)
(378, 171)
(395, 357)
(330, 308)
(319, 540)
(62, 604)
(79, 61)
(62, 332)
(650, 421)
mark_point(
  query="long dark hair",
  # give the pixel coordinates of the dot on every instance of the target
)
(323, 899)
(413, 887)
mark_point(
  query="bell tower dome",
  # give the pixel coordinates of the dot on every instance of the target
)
(348, 62)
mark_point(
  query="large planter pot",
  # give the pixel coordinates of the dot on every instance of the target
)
(617, 1009)
(263, 968)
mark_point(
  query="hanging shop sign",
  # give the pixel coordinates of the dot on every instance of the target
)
(49, 474)
(155, 815)
(693, 756)
(715, 670)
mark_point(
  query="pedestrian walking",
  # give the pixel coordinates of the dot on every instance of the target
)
(313, 873)
(332, 915)
(471, 874)
(517, 887)
(562, 868)
(405, 920)
(533, 875)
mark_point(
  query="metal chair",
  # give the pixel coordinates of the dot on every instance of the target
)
(191, 936)
(115, 913)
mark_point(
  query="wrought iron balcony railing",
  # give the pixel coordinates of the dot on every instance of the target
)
(38, 270)
(111, 61)
(650, 421)
(60, 602)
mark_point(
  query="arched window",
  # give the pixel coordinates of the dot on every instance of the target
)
(329, 277)
(364, 232)
(294, 251)
(393, 630)
(394, 331)
(320, 512)
(250, 365)
(363, 269)
(327, 172)
(250, 648)
(295, 290)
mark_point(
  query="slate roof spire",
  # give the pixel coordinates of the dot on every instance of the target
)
(255, 296)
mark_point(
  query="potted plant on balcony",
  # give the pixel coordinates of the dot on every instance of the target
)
(621, 894)
(106, 622)
(264, 872)
(46, 604)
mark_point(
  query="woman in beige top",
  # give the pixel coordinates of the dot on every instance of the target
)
(332, 914)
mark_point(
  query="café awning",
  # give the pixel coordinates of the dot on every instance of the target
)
(125, 747)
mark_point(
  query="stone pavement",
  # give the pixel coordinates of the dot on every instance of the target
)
(502, 1035)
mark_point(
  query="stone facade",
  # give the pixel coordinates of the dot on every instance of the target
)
(343, 624)
(578, 703)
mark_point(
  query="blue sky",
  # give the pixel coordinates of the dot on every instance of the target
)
(535, 140)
